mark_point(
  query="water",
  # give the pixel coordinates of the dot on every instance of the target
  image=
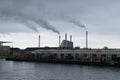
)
(12, 70)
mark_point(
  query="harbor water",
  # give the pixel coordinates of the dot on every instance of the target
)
(15, 70)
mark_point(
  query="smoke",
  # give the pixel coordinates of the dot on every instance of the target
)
(73, 20)
(19, 19)
(46, 25)
(40, 21)
(30, 25)
(39, 12)
(25, 14)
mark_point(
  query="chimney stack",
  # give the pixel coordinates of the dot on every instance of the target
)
(59, 40)
(65, 36)
(86, 39)
(70, 37)
(39, 42)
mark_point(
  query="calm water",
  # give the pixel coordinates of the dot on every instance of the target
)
(12, 70)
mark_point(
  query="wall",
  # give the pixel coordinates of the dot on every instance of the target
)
(4, 50)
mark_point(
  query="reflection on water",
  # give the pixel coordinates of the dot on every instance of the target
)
(12, 70)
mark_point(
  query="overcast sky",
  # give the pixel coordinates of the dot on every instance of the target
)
(21, 21)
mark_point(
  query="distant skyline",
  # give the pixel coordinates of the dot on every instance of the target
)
(21, 21)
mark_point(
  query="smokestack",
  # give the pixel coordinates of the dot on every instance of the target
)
(86, 39)
(70, 37)
(65, 36)
(59, 40)
(39, 42)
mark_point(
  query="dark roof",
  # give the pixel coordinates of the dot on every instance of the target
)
(15, 49)
(36, 48)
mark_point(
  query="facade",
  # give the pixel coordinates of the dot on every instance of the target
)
(66, 44)
(4, 50)
(90, 55)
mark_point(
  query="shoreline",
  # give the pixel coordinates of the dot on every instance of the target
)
(2, 57)
(68, 62)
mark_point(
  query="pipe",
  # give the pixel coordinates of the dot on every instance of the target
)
(70, 37)
(65, 36)
(39, 42)
(86, 39)
(59, 40)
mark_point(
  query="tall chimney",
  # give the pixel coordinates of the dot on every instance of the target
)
(39, 42)
(70, 37)
(86, 39)
(59, 40)
(65, 36)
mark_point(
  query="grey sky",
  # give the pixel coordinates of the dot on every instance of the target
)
(94, 12)
(101, 17)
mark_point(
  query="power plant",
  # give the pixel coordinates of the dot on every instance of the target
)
(66, 53)
(67, 43)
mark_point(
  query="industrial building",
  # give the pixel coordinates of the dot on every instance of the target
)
(66, 53)
(4, 50)
(66, 43)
